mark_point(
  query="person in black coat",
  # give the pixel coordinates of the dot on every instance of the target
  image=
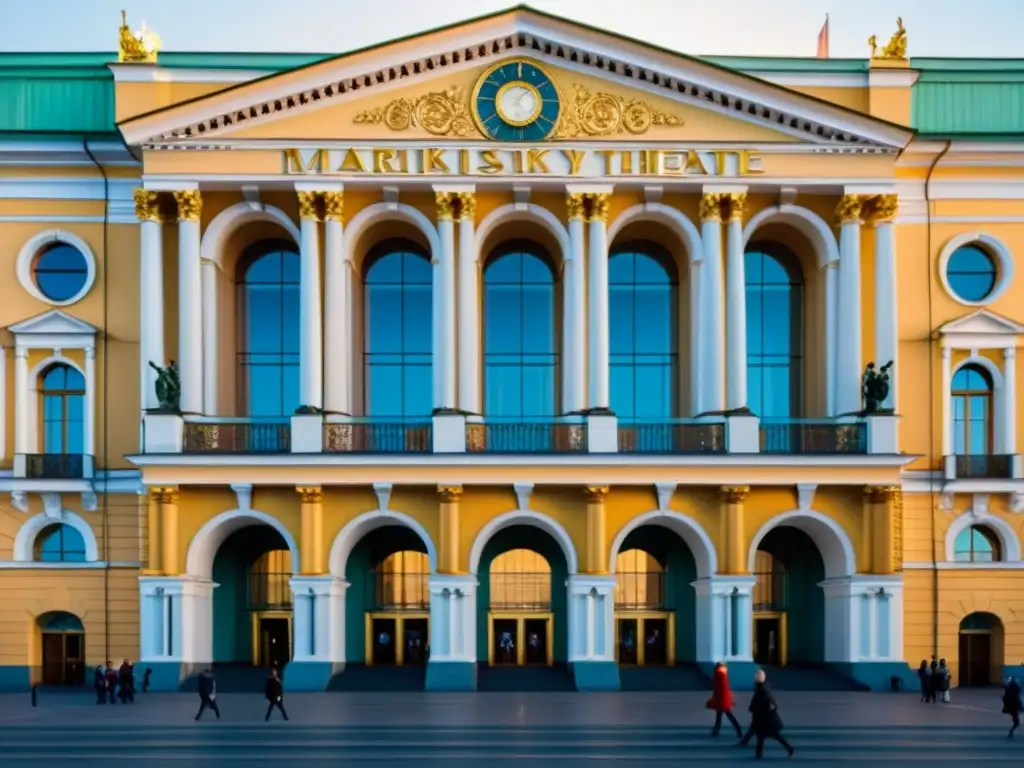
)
(1012, 704)
(764, 714)
(99, 682)
(924, 678)
(275, 694)
(207, 693)
(126, 682)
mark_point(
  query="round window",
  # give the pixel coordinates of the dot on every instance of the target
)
(60, 272)
(971, 273)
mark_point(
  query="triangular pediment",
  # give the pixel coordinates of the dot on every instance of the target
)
(424, 86)
(982, 323)
(52, 323)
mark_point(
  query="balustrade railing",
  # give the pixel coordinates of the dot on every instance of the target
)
(372, 436)
(399, 591)
(804, 436)
(671, 436)
(526, 437)
(269, 591)
(520, 591)
(237, 436)
(639, 591)
(54, 466)
(984, 467)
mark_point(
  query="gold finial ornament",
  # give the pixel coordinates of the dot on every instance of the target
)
(307, 205)
(850, 209)
(140, 47)
(449, 493)
(882, 208)
(598, 207)
(736, 204)
(574, 204)
(445, 206)
(190, 205)
(711, 207)
(734, 494)
(147, 205)
(334, 206)
(895, 49)
(467, 206)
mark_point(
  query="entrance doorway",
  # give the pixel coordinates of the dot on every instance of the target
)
(520, 639)
(770, 639)
(645, 639)
(63, 649)
(397, 639)
(980, 650)
(272, 639)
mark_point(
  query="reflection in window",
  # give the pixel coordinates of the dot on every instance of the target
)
(977, 544)
(770, 587)
(398, 323)
(520, 578)
(642, 322)
(639, 581)
(774, 332)
(60, 544)
(63, 393)
(60, 272)
(400, 582)
(972, 411)
(268, 299)
(520, 350)
(971, 273)
(270, 580)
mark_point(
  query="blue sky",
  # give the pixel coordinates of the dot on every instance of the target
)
(961, 28)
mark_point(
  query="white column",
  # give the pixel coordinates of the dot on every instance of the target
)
(591, 618)
(211, 332)
(190, 301)
(151, 295)
(469, 306)
(318, 623)
(735, 306)
(947, 402)
(597, 265)
(848, 362)
(311, 361)
(724, 618)
(886, 309)
(696, 278)
(22, 407)
(574, 398)
(1010, 400)
(444, 305)
(338, 365)
(452, 618)
(711, 358)
(831, 340)
(89, 417)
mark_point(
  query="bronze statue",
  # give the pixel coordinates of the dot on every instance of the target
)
(168, 387)
(875, 387)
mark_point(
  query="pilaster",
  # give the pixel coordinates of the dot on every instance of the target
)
(597, 301)
(469, 306)
(165, 499)
(337, 308)
(885, 529)
(592, 632)
(311, 549)
(596, 561)
(448, 554)
(733, 497)
(310, 309)
(452, 665)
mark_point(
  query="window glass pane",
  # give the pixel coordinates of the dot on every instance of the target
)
(60, 272)
(971, 273)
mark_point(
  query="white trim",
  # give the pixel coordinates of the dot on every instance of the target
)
(46, 218)
(812, 79)
(68, 188)
(954, 566)
(31, 249)
(209, 538)
(805, 221)
(892, 78)
(676, 221)
(96, 565)
(1009, 543)
(513, 212)
(832, 541)
(357, 528)
(524, 517)
(229, 220)
(134, 73)
(994, 248)
(25, 539)
(688, 529)
(372, 214)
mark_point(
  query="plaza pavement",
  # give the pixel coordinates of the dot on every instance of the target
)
(497, 730)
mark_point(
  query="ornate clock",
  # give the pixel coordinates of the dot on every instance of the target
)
(516, 100)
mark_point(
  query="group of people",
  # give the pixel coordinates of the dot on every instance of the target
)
(765, 722)
(112, 684)
(273, 691)
(934, 679)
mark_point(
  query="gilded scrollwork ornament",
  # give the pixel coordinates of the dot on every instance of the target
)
(334, 206)
(574, 203)
(710, 207)
(881, 208)
(190, 204)
(605, 114)
(147, 205)
(445, 206)
(307, 205)
(441, 113)
(599, 203)
(735, 204)
(467, 205)
(895, 49)
(850, 209)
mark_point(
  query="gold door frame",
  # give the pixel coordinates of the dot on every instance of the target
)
(668, 617)
(399, 619)
(783, 633)
(257, 617)
(521, 617)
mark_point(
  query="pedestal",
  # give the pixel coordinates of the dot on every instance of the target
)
(448, 433)
(162, 433)
(175, 628)
(743, 434)
(592, 633)
(318, 632)
(725, 621)
(602, 433)
(452, 663)
(307, 433)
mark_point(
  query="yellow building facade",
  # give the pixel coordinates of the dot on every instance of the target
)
(515, 354)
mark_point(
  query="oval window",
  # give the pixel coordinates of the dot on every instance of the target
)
(60, 272)
(971, 273)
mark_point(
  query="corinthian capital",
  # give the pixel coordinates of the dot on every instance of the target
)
(190, 205)
(881, 208)
(334, 206)
(147, 205)
(445, 206)
(307, 205)
(850, 209)
(711, 207)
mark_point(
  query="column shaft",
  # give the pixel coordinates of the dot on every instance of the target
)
(469, 307)
(573, 327)
(21, 401)
(1010, 400)
(598, 301)
(151, 294)
(733, 528)
(883, 210)
(596, 553)
(947, 402)
(311, 545)
(167, 502)
(190, 301)
(710, 357)
(848, 362)
(310, 317)
(211, 334)
(337, 310)
(154, 561)
(448, 556)
(735, 306)
(444, 306)
(883, 541)
(831, 338)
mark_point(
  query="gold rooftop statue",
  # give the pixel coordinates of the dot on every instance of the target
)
(139, 47)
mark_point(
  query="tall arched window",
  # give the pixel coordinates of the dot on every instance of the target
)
(60, 544)
(397, 328)
(972, 411)
(268, 355)
(643, 320)
(521, 371)
(775, 326)
(63, 393)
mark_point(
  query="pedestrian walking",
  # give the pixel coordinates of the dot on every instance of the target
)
(721, 700)
(275, 694)
(111, 675)
(765, 720)
(207, 693)
(924, 678)
(1012, 704)
(99, 682)
(126, 682)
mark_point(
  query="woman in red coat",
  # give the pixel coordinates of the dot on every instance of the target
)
(721, 700)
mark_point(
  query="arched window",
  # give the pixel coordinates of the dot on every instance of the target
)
(774, 332)
(398, 336)
(972, 411)
(643, 320)
(401, 581)
(639, 581)
(60, 544)
(770, 587)
(520, 579)
(268, 355)
(63, 394)
(521, 371)
(977, 544)
(270, 581)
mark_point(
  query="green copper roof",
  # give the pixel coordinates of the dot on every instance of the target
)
(969, 97)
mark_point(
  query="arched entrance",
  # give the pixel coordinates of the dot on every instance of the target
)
(63, 648)
(980, 650)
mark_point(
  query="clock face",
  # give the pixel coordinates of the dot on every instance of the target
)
(516, 101)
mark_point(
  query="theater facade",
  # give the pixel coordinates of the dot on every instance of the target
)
(513, 354)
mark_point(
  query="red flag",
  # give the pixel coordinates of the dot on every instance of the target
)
(823, 40)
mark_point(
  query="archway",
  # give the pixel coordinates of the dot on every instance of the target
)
(62, 648)
(981, 650)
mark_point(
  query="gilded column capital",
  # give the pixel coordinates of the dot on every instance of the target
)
(334, 206)
(164, 494)
(850, 209)
(445, 206)
(882, 493)
(147, 205)
(190, 204)
(735, 204)
(881, 208)
(734, 494)
(467, 206)
(449, 493)
(574, 205)
(310, 494)
(596, 493)
(711, 206)
(598, 206)
(307, 205)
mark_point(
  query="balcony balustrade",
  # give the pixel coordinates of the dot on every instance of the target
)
(236, 436)
(53, 466)
(803, 437)
(366, 436)
(526, 437)
(983, 467)
(672, 436)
